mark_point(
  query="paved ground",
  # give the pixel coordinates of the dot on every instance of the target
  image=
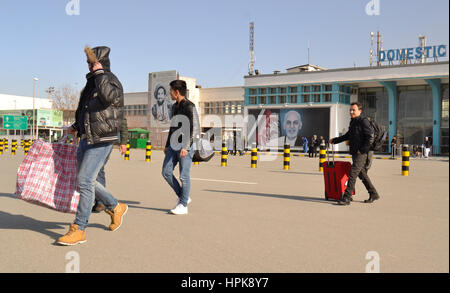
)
(247, 220)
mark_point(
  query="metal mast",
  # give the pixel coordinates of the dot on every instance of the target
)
(251, 64)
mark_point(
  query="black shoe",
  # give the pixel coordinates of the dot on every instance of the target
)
(344, 201)
(372, 198)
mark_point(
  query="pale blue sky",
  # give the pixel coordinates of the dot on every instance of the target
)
(205, 39)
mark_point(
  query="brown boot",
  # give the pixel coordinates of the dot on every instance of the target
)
(117, 216)
(73, 237)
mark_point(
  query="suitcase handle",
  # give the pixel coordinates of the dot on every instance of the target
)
(332, 153)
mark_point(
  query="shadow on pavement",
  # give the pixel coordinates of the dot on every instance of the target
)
(292, 197)
(297, 173)
(153, 209)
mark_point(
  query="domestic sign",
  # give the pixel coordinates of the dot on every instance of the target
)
(15, 122)
(412, 53)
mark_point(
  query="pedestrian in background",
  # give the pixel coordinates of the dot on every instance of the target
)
(427, 145)
(394, 146)
(305, 144)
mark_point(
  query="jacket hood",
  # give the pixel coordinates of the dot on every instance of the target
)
(102, 54)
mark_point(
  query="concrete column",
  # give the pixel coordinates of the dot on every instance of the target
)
(435, 85)
(391, 87)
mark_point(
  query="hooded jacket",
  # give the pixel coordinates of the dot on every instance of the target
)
(100, 110)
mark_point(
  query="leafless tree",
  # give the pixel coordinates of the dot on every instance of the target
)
(65, 98)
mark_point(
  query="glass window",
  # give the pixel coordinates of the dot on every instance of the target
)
(263, 91)
(262, 100)
(273, 90)
(283, 90)
(293, 99)
(252, 91)
(444, 121)
(252, 100)
(316, 88)
(306, 99)
(328, 88)
(327, 97)
(293, 89)
(316, 98)
(306, 88)
(273, 99)
(414, 114)
(282, 99)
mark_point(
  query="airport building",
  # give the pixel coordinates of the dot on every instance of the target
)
(410, 100)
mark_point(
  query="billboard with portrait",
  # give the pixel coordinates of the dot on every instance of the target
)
(159, 97)
(280, 126)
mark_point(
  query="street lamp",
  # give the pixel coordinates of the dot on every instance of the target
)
(33, 131)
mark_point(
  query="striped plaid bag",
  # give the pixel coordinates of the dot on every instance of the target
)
(48, 176)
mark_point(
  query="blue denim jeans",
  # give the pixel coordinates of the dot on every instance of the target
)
(171, 159)
(91, 160)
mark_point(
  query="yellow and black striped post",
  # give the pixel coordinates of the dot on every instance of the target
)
(254, 157)
(224, 159)
(1, 146)
(13, 147)
(148, 152)
(127, 153)
(287, 157)
(405, 161)
(21, 143)
(5, 144)
(322, 156)
(27, 146)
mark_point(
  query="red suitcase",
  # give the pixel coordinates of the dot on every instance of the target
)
(336, 174)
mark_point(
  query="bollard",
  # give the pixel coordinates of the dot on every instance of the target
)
(224, 155)
(148, 152)
(254, 157)
(322, 156)
(1, 146)
(21, 143)
(405, 161)
(27, 147)
(5, 144)
(127, 153)
(287, 157)
(13, 147)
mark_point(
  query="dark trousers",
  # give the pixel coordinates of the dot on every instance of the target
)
(360, 167)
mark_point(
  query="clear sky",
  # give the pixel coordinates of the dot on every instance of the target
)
(204, 39)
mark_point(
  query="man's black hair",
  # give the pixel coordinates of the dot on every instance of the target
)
(179, 85)
(357, 104)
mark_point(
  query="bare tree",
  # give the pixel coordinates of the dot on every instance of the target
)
(66, 98)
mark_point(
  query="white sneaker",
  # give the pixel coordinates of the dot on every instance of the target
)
(179, 202)
(179, 210)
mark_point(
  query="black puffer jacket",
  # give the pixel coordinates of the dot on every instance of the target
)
(100, 110)
(187, 135)
(360, 136)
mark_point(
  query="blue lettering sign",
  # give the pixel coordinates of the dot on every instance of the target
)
(410, 53)
(419, 53)
(391, 55)
(442, 51)
(381, 56)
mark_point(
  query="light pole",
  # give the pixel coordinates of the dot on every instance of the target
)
(33, 131)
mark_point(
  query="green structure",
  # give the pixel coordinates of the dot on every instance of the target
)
(138, 138)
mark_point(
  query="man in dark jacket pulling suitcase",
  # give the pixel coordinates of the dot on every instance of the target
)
(360, 136)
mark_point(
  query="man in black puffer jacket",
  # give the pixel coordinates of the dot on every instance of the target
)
(98, 120)
(360, 136)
